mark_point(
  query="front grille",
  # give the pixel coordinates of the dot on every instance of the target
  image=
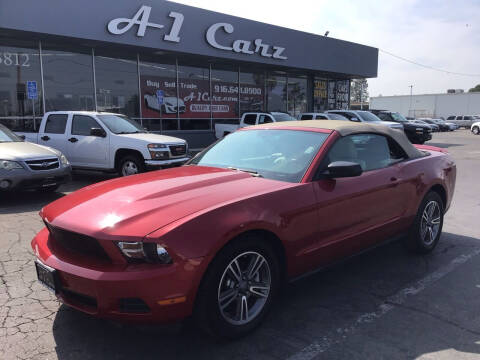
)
(178, 150)
(43, 164)
(76, 244)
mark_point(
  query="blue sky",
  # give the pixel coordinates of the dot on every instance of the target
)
(439, 33)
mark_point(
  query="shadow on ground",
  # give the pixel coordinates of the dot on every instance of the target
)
(306, 311)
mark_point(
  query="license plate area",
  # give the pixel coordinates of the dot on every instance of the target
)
(47, 276)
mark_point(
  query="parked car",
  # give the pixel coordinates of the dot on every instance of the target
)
(465, 121)
(250, 119)
(169, 106)
(321, 116)
(434, 127)
(440, 123)
(24, 165)
(365, 116)
(216, 238)
(475, 128)
(416, 133)
(108, 142)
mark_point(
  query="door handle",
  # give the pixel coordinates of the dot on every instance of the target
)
(45, 138)
(73, 140)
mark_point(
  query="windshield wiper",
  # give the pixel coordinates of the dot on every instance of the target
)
(131, 132)
(251, 172)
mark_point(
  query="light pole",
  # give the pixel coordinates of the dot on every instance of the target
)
(411, 99)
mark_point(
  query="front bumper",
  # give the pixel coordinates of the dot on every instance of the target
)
(23, 179)
(101, 289)
(158, 163)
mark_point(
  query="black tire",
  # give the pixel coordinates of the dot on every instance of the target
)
(135, 160)
(423, 241)
(208, 315)
(476, 130)
(49, 189)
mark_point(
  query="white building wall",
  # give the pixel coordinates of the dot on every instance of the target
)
(434, 105)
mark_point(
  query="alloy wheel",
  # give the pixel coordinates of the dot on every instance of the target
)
(129, 168)
(244, 288)
(430, 224)
(476, 130)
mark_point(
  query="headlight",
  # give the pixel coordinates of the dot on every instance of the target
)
(9, 165)
(144, 252)
(155, 147)
(64, 160)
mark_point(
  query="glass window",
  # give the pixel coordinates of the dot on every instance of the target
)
(120, 124)
(282, 117)
(467, 118)
(194, 89)
(117, 84)
(283, 155)
(81, 125)
(250, 119)
(368, 116)
(342, 94)
(451, 118)
(320, 95)
(323, 117)
(225, 94)
(252, 91)
(154, 76)
(297, 96)
(8, 136)
(264, 119)
(307, 117)
(276, 92)
(331, 92)
(371, 151)
(56, 124)
(19, 63)
(68, 77)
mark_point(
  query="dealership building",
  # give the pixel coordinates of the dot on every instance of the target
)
(176, 69)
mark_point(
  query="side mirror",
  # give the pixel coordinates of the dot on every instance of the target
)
(343, 169)
(97, 132)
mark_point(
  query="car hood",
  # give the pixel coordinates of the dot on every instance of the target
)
(416, 125)
(153, 138)
(24, 151)
(388, 123)
(133, 207)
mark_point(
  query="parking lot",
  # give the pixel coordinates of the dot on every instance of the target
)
(382, 304)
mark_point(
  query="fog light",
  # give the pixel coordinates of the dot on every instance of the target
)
(4, 184)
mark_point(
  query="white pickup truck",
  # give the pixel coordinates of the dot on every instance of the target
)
(107, 142)
(250, 119)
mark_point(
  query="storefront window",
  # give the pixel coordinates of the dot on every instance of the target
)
(332, 89)
(19, 63)
(154, 77)
(68, 77)
(225, 95)
(252, 92)
(194, 90)
(117, 84)
(297, 96)
(343, 90)
(320, 95)
(276, 92)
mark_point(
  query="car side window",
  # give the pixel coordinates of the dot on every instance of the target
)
(82, 124)
(371, 151)
(459, 117)
(250, 119)
(306, 117)
(383, 116)
(467, 118)
(321, 117)
(264, 119)
(451, 118)
(56, 124)
(349, 116)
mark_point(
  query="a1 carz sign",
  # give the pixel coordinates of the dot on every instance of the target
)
(141, 19)
(193, 99)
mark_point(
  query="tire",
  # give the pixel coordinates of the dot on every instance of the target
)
(427, 227)
(131, 165)
(476, 130)
(219, 282)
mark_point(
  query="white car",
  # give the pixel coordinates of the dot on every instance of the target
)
(476, 128)
(107, 142)
(169, 105)
(321, 116)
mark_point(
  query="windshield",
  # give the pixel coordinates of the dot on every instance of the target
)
(283, 155)
(119, 124)
(8, 136)
(283, 117)
(368, 116)
(398, 117)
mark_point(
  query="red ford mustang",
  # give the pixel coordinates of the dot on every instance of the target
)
(216, 238)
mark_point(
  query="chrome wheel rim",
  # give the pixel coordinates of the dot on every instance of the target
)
(244, 288)
(430, 224)
(129, 168)
(476, 131)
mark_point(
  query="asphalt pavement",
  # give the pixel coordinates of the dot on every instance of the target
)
(385, 304)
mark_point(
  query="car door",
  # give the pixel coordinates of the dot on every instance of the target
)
(459, 121)
(358, 212)
(86, 150)
(53, 132)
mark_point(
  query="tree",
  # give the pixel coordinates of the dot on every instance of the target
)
(475, 89)
(359, 91)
